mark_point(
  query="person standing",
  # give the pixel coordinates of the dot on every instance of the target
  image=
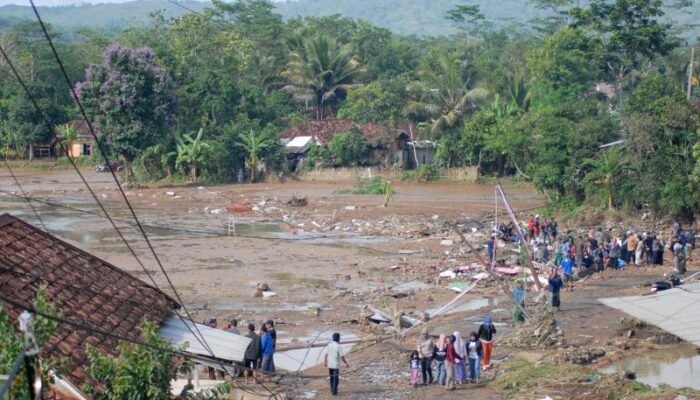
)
(486, 331)
(451, 359)
(334, 354)
(615, 254)
(439, 354)
(270, 324)
(519, 297)
(555, 285)
(268, 352)
(656, 251)
(233, 328)
(252, 353)
(631, 248)
(638, 252)
(599, 260)
(579, 251)
(414, 367)
(425, 346)
(460, 366)
(567, 269)
(474, 353)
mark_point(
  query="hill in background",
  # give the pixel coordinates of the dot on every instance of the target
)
(410, 17)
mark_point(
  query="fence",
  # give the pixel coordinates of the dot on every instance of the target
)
(451, 175)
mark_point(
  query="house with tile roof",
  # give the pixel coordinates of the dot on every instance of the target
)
(93, 292)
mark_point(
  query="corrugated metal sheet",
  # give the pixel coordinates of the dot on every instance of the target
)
(225, 345)
(676, 311)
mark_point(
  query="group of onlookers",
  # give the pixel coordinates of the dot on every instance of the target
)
(456, 361)
(258, 362)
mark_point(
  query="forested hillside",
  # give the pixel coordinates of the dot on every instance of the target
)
(203, 95)
(409, 17)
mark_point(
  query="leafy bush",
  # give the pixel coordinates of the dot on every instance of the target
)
(376, 185)
(424, 173)
(80, 161)
(347, 149)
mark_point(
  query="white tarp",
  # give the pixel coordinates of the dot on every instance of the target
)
(676, 311)
(225, 345)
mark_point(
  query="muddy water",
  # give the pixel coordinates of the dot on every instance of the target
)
(678, 367)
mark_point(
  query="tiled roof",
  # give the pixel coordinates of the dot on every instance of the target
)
(326, 129)
(82, 287)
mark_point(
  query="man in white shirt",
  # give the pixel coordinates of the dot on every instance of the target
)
(334, 353)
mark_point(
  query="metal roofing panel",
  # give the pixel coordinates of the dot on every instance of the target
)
(225, 345)
(676, 311)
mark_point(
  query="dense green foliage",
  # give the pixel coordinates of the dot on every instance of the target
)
(205, 95)
(12, 344)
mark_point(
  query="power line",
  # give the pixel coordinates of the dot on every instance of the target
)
(21, 189)
(104, 154)
(199, 338)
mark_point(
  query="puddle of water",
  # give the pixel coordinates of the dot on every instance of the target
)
(297, 280)
(228, 305)
(678, 367)
(471, 305)
(409, 286)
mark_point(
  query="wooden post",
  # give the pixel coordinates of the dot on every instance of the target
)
(415, 153)
(690, 72)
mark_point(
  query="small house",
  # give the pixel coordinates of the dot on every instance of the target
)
(82, 145)
(412, 153)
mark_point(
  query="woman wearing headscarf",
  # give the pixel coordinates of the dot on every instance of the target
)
(425, 347)
(460, 367)
(519, 297)
(486, 332)
(439, 354)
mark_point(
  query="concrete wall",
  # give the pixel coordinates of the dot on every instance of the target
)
(332, 175)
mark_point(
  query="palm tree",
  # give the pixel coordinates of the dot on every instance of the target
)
(190, 151)
(252, 144)
(70, 134)
(520, 94)
(444, 93)
(319, 71)
(606, 169)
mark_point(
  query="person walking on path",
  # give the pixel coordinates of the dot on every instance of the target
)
(451, 359)
(439, 354)
(474, 354)
(579, 251)
(334, 354)
(460, 366)
(599, 260)
(485, 334)
(555, 285)
(252, 353)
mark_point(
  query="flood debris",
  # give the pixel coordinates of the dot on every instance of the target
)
(540, 330)
(298, 201)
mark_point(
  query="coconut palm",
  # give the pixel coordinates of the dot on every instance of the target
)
(253, 144)
(444, 93)
(320, 71)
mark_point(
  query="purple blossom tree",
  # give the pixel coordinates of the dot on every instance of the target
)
(131, 99)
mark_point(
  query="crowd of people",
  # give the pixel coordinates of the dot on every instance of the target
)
(455, 360)
(258, 363)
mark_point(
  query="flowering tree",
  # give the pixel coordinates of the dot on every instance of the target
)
(131, 99)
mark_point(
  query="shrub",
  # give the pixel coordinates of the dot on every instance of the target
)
(347, 149)
(376, 185)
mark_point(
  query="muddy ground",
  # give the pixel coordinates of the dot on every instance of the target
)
(327, 260)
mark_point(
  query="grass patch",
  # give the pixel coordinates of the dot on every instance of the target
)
(376, 186)
(522, 379)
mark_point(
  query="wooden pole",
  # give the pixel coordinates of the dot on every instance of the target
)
(690, 72)
(415, 153)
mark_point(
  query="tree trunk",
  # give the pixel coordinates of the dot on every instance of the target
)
(524, 175)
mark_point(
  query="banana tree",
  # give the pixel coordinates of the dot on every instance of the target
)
(191, 152)
(253, 144)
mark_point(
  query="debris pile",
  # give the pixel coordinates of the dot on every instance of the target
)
(540, 330)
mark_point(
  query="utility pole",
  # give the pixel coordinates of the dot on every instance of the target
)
(690, 72)
(26, 358)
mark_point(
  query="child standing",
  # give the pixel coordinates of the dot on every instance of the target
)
(451, 359)
(414, 368)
